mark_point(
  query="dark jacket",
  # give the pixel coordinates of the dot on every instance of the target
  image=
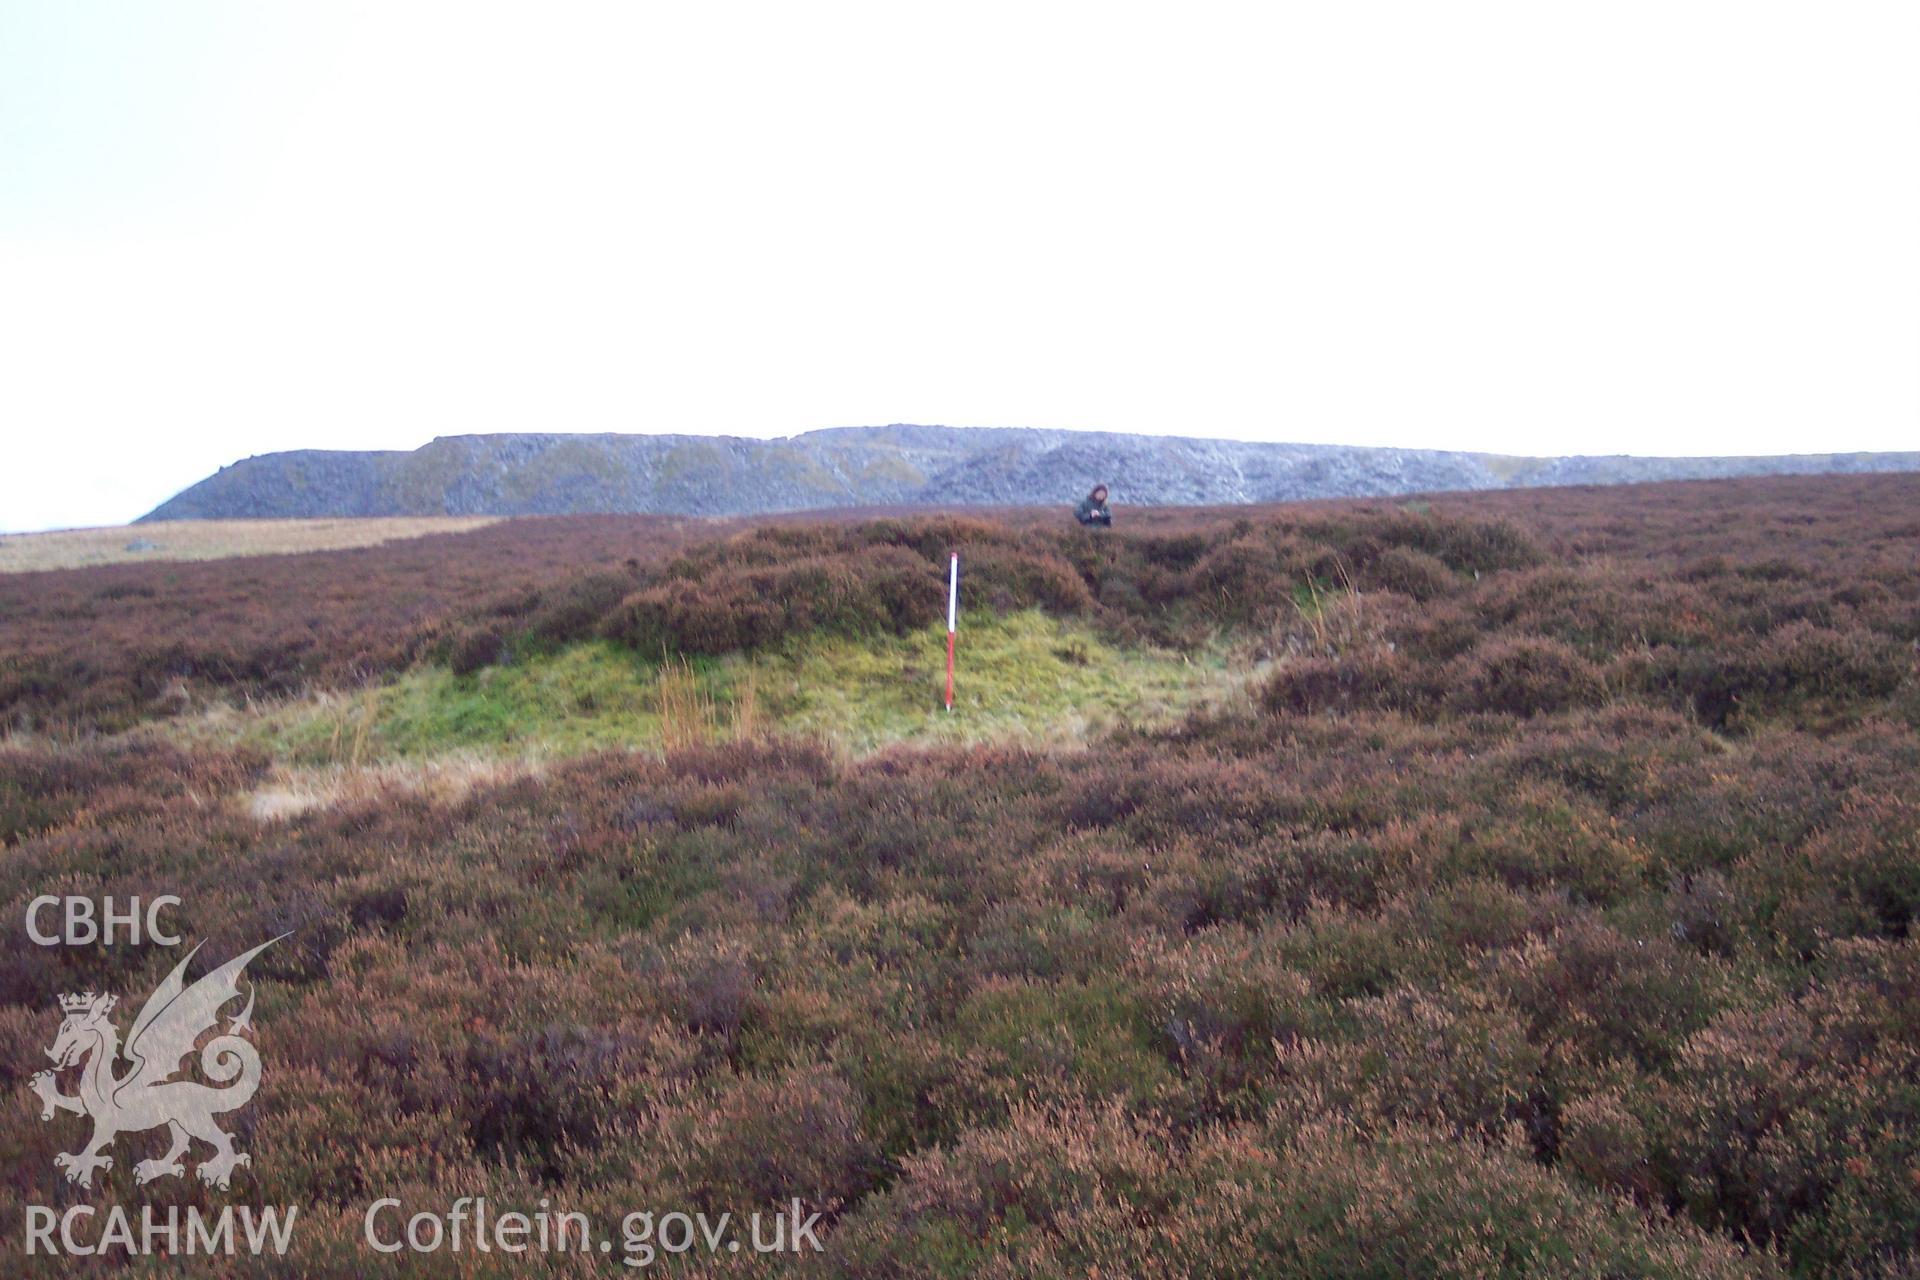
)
(1090, 512)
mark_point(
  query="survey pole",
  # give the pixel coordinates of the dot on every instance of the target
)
(953, 618)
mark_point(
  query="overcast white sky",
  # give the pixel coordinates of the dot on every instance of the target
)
(1663, 227)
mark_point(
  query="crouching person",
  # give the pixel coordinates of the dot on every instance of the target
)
(1092, 510)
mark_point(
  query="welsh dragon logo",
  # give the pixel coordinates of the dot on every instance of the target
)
(144, 1095)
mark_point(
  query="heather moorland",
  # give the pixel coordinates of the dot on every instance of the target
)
(1506, 884)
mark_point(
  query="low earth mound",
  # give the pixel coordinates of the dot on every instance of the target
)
(1507, 885)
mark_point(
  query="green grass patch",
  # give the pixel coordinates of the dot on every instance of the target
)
(580, 699)
(1026, 676)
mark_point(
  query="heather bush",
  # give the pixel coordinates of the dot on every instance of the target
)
(1349, 954)
(1410, 1202)
(474, 648)
(1222, 1003)
(1056, 1041)
(708, 983)
(1249, 577)
(879, 590)
(1704, 911)
(1783, 670)
(1858, 876)
(1010, 580)
(1603, 1142)
(1599, 610)
(1522, 677)
(1080, 1191)
(1475, 914)
(1601, 996)
(1412, 572)
(1458, 1060)
(1535, 836)
(759, 1142)
(1470, 544)
(1801, 658)
(1024, 1188)
(572, 609)
(1797, 1119)
(1379, 680)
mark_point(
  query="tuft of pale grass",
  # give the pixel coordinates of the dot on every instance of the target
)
(353, 729)
(292, 790)
(749, 719)
(214, 539)
(687, 715)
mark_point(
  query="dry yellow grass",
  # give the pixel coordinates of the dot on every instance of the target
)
(291, 791)
(213, 539)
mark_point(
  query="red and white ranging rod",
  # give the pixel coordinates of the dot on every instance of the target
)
(953, 618)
